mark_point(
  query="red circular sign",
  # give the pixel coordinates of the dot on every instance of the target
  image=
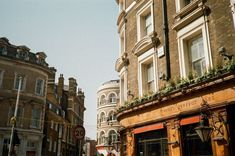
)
(79, 132)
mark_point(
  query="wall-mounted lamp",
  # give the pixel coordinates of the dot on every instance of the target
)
(224, 53)
(204, 131)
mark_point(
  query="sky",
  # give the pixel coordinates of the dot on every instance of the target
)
(79, 38)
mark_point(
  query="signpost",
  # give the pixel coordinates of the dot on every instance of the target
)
(79, 133)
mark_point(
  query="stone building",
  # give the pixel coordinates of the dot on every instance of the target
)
(15, 62)
(176, 68)
(47, 113)
(107, 125)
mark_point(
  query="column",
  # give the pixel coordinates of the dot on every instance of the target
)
(174, 140)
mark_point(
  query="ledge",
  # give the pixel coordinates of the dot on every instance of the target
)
(189, 13)
(145, 43)
(158, 98)
(121, 62)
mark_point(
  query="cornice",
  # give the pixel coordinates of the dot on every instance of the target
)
(146, 43)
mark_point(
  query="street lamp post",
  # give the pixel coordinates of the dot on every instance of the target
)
(13, 119)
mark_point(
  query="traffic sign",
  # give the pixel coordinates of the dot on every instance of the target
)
(79, 132)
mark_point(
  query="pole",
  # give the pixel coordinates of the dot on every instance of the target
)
(13, 119)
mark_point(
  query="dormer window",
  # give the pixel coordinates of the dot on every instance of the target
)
(23, 53)
(41, 56)
(3, 50)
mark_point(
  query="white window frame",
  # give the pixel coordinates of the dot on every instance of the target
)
(122, 41)
(123, 85)
(149, 56)
(41, 87)
(195, 28)
(141, 14)
(102, 100)
(179, 5)
(112, 98)
(232, 5)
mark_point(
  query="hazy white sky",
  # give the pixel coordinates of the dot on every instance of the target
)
(79, 37)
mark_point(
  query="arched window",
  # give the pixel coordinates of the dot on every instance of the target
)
(112, 136)
(112, 98)
(112, 116)
(102, 117)
(102, 100)
(102, 137)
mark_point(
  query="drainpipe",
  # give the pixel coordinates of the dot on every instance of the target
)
(166, 39)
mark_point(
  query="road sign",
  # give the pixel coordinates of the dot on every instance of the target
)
(79, 132)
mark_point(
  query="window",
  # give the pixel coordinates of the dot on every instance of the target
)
(50, 144)
(36, 117)
(52, 124)
(19, 77)
(112, 116)
(55, 144)
(3, 50)
(31, 144)
(152, 143)
(39, 89)
(146, 71)
(112, 136)
(112, 98)
(182, 3)
(148, 24)
(122, 42)
(194, 48)
(102, 100)
(197, 55)
(145, 21)
(102, 138)
(102, 117)
(192, 144)
(232, 5)
(123, 86)
(1, 77)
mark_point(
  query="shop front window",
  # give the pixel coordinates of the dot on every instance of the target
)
(192, 144)
(152, 143)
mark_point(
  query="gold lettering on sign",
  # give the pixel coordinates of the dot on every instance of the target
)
(182, 106)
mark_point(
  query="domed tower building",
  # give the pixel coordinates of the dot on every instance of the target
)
(107, 125)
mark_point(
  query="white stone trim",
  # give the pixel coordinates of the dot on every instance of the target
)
(141, 11)
(199, 26)
(149, 55)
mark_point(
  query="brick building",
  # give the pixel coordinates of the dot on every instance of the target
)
(65, 109)
(176, 68)
(47, 112)
(18, 61)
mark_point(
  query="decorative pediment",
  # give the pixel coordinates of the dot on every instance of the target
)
(121, 62)
(189, 13)
(146, 43)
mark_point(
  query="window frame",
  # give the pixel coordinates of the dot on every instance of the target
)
(143, 60)
(23, 83)
(112, 99)
(41, 87)
(36, 118)
(198, 27)
(1, 76)
(141, 22)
